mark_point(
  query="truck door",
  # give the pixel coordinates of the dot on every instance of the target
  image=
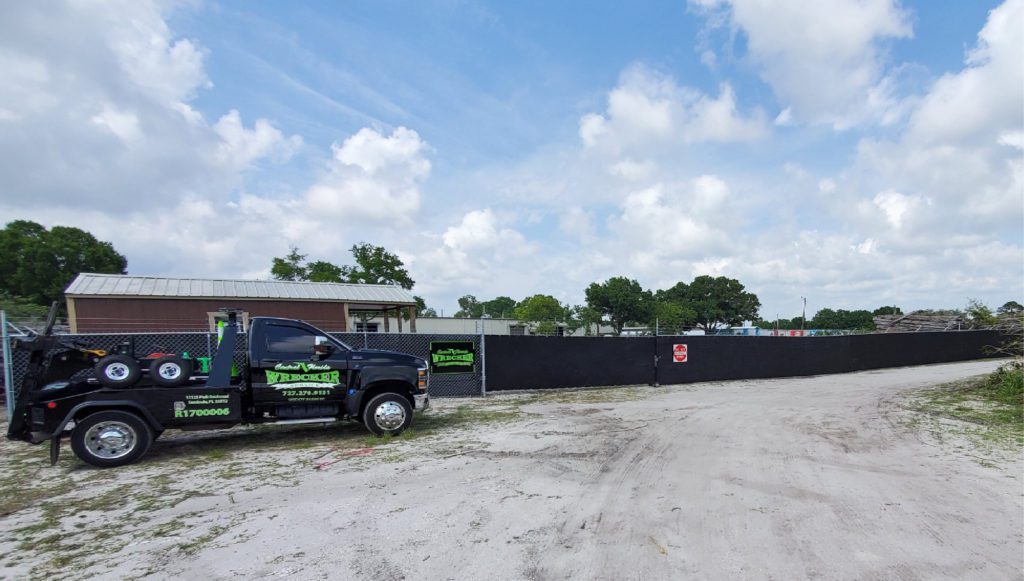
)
(290, 368)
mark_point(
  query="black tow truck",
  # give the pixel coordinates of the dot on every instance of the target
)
(295, 373)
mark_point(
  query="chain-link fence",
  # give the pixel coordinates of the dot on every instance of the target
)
(454, 384)
(201, 346)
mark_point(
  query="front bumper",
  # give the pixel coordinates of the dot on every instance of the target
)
(422, 401)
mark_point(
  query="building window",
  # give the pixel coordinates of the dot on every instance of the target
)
(517, 329)
(216, 317)
(559, 331)
(367, 327)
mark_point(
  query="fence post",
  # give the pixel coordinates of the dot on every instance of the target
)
(8, 363)
(483, 359)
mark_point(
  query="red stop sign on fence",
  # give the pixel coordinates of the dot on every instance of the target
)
(679, 353)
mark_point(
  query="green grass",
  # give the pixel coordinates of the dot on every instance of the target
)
(991, 407)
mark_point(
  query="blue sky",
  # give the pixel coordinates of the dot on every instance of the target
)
(857, 152)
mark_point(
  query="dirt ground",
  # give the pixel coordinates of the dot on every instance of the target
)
(821, 477)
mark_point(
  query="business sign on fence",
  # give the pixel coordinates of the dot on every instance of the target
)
(679, 353)
(452, 356)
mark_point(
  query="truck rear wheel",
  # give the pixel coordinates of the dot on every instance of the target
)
(117, 371)
(387, 413)
(170, 371)
(111, 438)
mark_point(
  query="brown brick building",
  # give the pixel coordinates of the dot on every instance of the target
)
(110, 303)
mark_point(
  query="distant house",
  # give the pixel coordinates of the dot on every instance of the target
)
(107, 303)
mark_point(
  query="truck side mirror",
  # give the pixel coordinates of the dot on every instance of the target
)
(323, 348)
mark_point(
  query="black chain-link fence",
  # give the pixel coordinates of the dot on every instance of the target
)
(454, 384)
(200, 346)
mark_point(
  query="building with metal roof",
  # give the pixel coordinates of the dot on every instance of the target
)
(118, 303)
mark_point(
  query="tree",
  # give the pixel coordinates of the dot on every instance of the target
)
(1010, 308)
(671, 317)
(37, 264)
(290, 267)
(842, 319)
(469, 308)
(672, 311)
(979, 314)
(622, 300)
(375, 265)
(582, 316)
(322, 271)
(887, 310)
(422, 310)
(720, 301)
(18, 308)
(500, 307)
(541, 312)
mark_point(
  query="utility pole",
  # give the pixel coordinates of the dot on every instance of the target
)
(803, 317)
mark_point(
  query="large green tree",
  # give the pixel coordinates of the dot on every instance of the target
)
(1010, 308)
(672, 310)
(541, 312)
(719, 301)
(373, 265)
(37, 264)
(469, 308)
(841, 319)
(500, 307)
(622, 300)
(472, 308)
(290, 267)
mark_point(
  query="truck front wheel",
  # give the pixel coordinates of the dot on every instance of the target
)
(111, 438)
(387, 413)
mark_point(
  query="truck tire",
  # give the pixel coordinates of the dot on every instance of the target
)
(117, 371)
(170, 371)
(111, 438)
(387, 413)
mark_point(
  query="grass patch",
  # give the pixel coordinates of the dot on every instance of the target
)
(990, 407)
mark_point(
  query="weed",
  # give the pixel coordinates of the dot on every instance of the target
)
(990, 408)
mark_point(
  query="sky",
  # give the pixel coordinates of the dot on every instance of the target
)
(858, 153)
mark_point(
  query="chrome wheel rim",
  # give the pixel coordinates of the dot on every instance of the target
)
(117, 371)
(169, 371)
(389, 415)
(110, 440)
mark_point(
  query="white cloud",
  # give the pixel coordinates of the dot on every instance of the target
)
(633, 170)
(954, 150)
(649, 109)
(680, 221)
(240, 147)
(95, 110)
(480, 230)
(123, 124)
(578, 223)
(373, 178)
(825, 60)
(895, 206)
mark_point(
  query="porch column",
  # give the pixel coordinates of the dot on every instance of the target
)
(387, 322)
(347, 320)
(412, 319)
(398, 317)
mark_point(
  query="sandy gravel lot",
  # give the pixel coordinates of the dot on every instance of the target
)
(782, 479)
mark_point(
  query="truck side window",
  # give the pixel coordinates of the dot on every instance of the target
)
(282, 339)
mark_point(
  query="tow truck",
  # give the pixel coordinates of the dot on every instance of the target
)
(294, 373)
